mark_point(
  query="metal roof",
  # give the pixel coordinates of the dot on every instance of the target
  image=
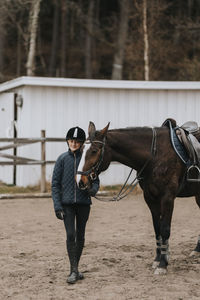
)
(98, 83)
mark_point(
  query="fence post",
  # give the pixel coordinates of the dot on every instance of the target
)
(43, 166)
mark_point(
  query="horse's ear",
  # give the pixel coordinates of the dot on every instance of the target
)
(104, 131)
(91, 131)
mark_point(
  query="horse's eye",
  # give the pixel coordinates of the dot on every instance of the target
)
(94, 151)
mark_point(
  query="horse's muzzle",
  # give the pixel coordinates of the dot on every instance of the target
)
(82, 186)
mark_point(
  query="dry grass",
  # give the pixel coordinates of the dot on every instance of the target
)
(13, 189)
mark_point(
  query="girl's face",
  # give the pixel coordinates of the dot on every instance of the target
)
(74, 145)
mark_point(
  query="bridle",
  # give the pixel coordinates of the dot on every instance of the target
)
(93, 172)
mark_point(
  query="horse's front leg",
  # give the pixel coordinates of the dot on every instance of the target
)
(167, 206)
(155, 208)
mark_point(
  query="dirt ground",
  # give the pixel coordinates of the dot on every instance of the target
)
(117, 258)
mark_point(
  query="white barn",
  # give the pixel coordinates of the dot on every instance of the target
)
(56, 104)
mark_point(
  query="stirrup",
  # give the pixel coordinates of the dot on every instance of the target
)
(193, 174)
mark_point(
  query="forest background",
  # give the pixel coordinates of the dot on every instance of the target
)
(100, 39)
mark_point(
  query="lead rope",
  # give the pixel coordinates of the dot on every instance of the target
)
(125, 191)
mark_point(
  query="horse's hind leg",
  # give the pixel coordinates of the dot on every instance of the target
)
(161, 210)
(167, 205)
(196, 251)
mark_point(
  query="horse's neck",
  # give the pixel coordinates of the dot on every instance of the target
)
(131, 147)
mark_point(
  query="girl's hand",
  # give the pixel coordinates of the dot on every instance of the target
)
(60, 214)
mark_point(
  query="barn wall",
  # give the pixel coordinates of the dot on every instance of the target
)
(56, 109)
(6, 130)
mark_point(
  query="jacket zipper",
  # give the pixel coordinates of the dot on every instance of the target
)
(74, 177)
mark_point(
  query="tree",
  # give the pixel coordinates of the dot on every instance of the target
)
(33, 25)
(88, 44)
(55, 40)
(118, 39)
(2, 39)
(121, 40)
(146, 42)
(63, 51)
(12, 28)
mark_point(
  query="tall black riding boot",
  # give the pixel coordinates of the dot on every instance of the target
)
(79, 249)
(71, 249)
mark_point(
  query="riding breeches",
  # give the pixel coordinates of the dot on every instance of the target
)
(75, 219)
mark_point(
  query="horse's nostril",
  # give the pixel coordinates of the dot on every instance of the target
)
(81, 185)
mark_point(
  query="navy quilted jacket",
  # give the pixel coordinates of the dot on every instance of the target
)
(64, 187)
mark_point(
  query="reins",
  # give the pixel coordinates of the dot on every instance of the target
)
(125, 191)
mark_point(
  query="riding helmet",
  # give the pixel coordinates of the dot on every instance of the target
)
(76, 133)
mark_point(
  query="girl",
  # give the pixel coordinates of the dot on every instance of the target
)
(70, 203)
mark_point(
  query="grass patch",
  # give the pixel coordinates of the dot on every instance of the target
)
(110, 188)
(13, 189)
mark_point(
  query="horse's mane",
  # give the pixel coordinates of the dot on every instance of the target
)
(129, 129)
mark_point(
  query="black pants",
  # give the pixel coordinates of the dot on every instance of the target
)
(75, 220)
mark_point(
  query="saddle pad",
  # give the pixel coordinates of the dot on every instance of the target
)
(177, 145)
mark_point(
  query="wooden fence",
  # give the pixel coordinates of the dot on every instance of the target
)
(18, 160)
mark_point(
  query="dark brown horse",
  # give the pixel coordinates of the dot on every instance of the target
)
(162, 174)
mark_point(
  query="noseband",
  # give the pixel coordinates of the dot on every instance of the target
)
(92, 173)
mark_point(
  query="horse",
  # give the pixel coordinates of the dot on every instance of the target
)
(161, 174)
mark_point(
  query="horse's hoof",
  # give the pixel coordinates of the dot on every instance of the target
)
(80, 276)
(160, 271)
(155, 264)
(194, 253)
(73, 277)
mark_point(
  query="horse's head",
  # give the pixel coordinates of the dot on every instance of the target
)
(92, 156)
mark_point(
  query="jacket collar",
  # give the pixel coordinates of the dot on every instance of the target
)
(76, 153)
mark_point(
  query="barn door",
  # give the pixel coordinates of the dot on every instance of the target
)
(6, 131)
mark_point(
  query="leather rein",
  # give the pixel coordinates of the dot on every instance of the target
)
(124, 191)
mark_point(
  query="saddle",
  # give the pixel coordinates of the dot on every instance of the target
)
(186, 134)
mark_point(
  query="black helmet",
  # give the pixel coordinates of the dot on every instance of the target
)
(76, 133)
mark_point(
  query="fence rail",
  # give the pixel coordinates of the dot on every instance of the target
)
(19, 160)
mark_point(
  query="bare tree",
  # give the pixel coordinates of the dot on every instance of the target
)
(19, 54)
(88, 46)
(2, 38)
(11, 16)
(64, 8)
(121, 40)
(54, 43)
(33, 25)
(146, 42)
